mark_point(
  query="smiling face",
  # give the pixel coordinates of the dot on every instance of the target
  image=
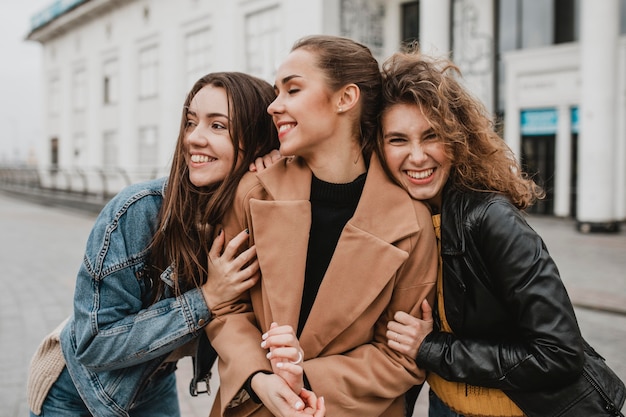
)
(414, 153)
(305, 109)
(210, 150)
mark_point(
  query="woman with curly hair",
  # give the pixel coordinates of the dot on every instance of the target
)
(502, 324)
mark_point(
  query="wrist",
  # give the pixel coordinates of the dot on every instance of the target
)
(250, 384)
(208, 299)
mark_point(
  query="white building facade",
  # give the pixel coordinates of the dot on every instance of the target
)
(553, 72)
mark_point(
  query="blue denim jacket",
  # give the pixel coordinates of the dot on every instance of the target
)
(113, 343)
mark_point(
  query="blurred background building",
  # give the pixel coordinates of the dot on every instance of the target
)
(552, 72)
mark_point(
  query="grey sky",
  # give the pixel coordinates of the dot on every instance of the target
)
(20, 82)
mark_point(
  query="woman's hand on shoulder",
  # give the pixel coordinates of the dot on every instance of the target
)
(406, 333)
(230, 274)
(265, 161)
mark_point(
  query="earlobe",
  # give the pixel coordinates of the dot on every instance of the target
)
(349, 97)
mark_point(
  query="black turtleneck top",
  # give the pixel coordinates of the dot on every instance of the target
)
(332, 205)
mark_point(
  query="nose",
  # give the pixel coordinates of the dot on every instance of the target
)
(275, 106)
(417, 153)
(196, 137)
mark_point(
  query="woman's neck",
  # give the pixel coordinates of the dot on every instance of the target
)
(338, 165)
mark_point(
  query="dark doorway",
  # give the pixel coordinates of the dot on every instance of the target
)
(538, 162)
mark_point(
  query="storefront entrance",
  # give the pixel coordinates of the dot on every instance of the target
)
(538, 162)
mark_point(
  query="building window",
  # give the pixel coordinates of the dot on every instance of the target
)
(410, 22)
(362, 20)
(54, 154)
(148, 72)
(79, 90)
(622, 17)
(537, 18)
(566, 21)
(530, 24)
(262, 42)
(197, 55)
(110, 82)
(109, 149)
(148, 149)
(54, 96)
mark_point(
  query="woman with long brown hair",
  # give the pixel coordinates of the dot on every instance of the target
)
(150, 279)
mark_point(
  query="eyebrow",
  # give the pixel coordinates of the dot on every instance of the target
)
(287, 79)
(427, 132)
(395, 134)
(209, 115)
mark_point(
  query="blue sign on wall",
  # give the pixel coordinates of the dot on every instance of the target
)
(538, 122)
(575, 123)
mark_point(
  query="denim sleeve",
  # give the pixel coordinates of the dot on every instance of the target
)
(112, 329)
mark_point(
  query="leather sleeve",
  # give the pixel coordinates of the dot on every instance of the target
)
(546, 347)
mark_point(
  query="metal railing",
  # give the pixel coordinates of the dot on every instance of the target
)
(93, 185)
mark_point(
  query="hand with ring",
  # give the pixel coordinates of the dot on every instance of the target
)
(285, 355)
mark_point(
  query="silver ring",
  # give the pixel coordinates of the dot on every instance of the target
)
(299, 360)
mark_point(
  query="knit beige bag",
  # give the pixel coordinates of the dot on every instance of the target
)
(45, 367)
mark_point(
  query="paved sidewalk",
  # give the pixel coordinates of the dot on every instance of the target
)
(41, 249)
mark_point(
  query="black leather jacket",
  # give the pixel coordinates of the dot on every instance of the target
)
(513, 322)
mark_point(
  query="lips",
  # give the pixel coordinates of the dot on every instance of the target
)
(200, 159)
(420, 175)
(283, 128)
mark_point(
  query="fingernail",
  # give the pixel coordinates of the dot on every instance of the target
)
(269, 355)
(299, 405)
(263, 343)
(279, 364)
(264, 336)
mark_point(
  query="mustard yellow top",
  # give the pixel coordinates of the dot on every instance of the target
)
(469, 400)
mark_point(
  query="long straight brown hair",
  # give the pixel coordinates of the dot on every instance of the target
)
(189, 214)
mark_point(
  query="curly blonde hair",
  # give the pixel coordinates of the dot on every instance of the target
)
(481, 160)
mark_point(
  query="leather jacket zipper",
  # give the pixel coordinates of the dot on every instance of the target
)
(610, 405)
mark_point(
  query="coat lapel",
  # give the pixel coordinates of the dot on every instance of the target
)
(281, 234)
(364, 262)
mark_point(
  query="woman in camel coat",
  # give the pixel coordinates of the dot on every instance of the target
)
(379, 259)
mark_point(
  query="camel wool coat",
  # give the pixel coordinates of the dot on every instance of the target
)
(385, 261)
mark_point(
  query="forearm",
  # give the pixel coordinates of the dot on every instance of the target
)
(237, 341)
(364, 381)
(511, 365)
(137, 337)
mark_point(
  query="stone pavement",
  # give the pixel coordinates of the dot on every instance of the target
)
(41, 249)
